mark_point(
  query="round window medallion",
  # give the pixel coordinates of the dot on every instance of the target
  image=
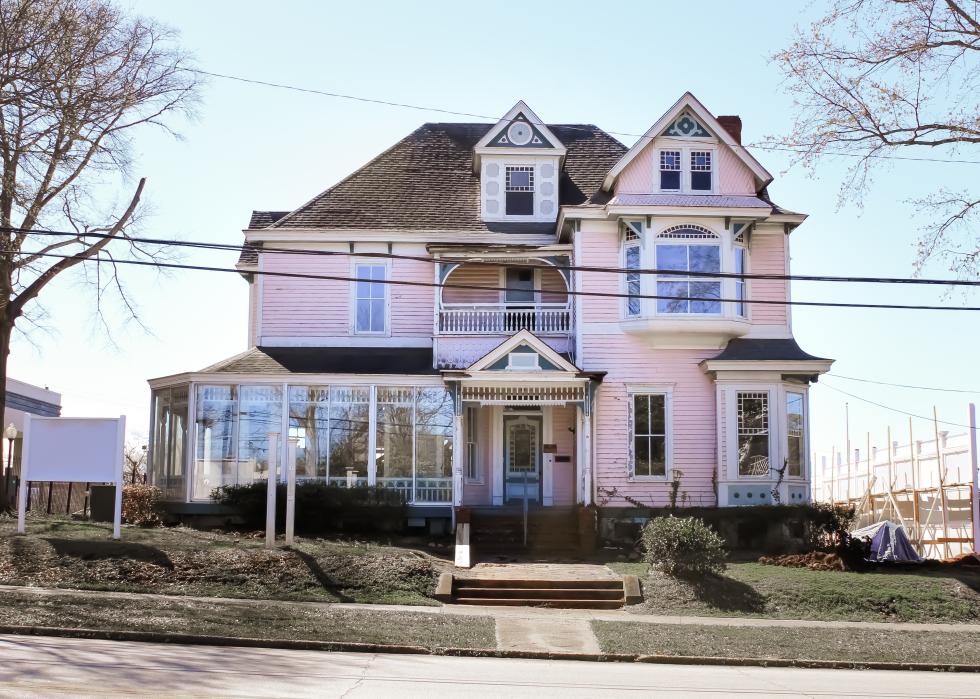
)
(519, 133)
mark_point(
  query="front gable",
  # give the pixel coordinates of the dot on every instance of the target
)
(523, 352)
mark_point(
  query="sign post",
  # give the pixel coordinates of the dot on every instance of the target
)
(291, 489)
(72, 450)
(270, 496)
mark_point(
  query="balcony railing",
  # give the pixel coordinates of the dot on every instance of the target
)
(501, 319)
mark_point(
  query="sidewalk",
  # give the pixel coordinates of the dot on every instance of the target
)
(528, 612)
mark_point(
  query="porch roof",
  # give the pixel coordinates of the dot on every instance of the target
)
(328, 360)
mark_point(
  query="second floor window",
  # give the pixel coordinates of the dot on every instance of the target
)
(701, 170)
(369, 298)
(520, 190)
(670, 169)
(690, 249)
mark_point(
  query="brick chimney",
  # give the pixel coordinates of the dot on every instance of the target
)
(733, 125)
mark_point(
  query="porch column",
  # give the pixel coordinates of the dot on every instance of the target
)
(584, 433)
(458, 459)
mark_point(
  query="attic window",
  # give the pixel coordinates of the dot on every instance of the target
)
(701, 170)
(523, 361)
(670, 169)
(520, 190)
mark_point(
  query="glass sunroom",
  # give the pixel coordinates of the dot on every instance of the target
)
(210, 434)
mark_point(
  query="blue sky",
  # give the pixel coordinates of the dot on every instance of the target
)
(617, 65)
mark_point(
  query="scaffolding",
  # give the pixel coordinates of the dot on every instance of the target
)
(927, 485)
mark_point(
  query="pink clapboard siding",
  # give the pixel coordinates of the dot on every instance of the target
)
(553, 287)
(630, 362)
(600, 249)
(767, 255)
(563, 480)
(639, 177)
(321, 307)
(253, 313)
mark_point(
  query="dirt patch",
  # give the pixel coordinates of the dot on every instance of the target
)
(815, 560)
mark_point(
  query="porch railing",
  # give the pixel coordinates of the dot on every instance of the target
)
(501, 319)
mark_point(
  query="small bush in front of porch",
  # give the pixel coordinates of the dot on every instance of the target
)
(141, 505)
(683, 546)
(320, 507)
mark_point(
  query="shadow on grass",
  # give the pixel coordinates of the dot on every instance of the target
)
(722, 592)
(88, 550)
(322, 577)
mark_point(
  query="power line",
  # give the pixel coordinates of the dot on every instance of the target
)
(451, 112)
(599, 294)
(577, 268)
(896, 410)
(902, 385)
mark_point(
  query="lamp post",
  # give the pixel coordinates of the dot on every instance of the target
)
(11, 434)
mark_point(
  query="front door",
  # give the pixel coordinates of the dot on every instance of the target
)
(522, 457)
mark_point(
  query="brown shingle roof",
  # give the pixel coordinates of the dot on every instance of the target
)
(426, 182)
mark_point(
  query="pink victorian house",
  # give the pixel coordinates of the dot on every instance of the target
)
(476, 317)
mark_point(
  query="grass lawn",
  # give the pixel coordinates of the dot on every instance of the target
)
(950, 595)
(791, 644)
(262, 620)
(182, 561)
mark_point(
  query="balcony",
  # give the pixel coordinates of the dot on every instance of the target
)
(504, 319)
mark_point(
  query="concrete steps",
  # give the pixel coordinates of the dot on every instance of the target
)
(559, 594)
(552, 530)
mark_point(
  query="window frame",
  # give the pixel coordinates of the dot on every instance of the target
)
(771, 452)
(354, 298)
(667, 392)
(472, 467)
(686, 147)
(741, 306)
(804, 430)
(532, 188)
(719, 241)
(627, 244)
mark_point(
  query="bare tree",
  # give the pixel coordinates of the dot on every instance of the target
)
(886, 77)
(77, 78)
(135, 454)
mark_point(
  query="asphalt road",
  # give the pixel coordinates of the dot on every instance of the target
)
(40, 666)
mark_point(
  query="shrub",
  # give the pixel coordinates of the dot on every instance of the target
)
(319, 507)
(683, 546)
(141, 505)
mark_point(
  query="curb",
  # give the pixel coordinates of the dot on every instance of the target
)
(352, 647)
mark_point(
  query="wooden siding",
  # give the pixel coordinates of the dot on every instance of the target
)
(630, 362)
(639, 177)
(601, 249)
(553, 287)
(767, 255)
(411, 306)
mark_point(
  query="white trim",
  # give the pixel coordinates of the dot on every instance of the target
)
(667, 391)
(497, 455)
(352, 307)
(344, 341)
(533, 119)
(523, 337)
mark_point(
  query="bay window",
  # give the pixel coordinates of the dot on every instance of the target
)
(690, 249)
(632, 232)
(648, 428)
(752, 432)
(795, 426)
(740, 305)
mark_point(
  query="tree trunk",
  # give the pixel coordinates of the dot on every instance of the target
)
(6, 331)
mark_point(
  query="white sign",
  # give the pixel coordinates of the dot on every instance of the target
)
(72, 449)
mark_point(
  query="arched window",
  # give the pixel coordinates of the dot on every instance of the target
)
(688, 249)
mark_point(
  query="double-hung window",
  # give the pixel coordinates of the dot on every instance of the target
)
(519, 190)
(700, 170)
(688, 249)
(370, 299)
(740, 282)
(670, 170)
(632, 238)
(648, 427)
(472, 454)
(752, 427)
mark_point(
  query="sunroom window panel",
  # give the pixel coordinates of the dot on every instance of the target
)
(393, 438)
(350, 414)
(434, 446)
(753, 433)
(215, 449)
(260, 412)
(309, 423)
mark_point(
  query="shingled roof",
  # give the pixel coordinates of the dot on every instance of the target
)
(426, 182)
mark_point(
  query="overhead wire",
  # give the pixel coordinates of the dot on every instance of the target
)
(893, 409)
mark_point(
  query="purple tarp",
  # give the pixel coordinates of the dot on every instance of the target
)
(889, 542)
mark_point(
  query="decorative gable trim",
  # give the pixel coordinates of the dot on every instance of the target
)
(524, 341)
(686, 126)
(498, 139)
(688, 103)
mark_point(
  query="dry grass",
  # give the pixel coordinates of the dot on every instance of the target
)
(182, 561)
(751, 589)
(788, 643)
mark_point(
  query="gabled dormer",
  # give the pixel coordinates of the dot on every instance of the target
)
(519, 161)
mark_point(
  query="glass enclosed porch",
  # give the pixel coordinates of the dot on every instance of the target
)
(209, 435)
